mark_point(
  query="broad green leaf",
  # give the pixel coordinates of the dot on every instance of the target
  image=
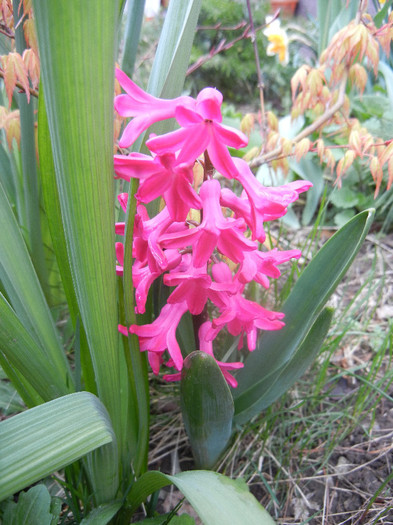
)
(275, 385)
(216, 498)
(48, 437)
(135, 12)
(21, 284)
(383, 13)
(174, 48)
(28, 357)
(102, 514)
(328, 11)
(387, 72)
(306, 300)
(31, 190)
(77, 44)
(33, 507)
(165, 519)
(308, 170)
(10, 400)
(207, 408)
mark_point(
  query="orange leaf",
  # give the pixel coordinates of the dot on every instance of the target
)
(30, 34)
(390, 173)
(32, 63)
(15, 70)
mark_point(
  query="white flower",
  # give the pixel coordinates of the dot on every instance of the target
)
(278, 40)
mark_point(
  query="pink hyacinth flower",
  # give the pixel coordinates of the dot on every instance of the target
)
(191, 283)
(257, 265)
(147, 237)
(160, 176)
(207, 347)
(201, 130)
(160, 335)
(267, 203)
(119, 248)
(240, 315)
(143, 276)
(214, 231)
(145, 108)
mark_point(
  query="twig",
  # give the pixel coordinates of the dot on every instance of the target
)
(6, 31)
(240, 25)
(223, 45)
(18, 84)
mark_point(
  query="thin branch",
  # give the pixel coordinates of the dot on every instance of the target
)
(223, 45)
(18, 84)
(6, 31)
(240, 25)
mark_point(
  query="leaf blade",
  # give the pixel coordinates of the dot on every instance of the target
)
(304, 303)
(59, 433)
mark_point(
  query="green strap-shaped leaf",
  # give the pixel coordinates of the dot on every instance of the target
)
(306, 300)
(101, 515)
(46, 438)
(28, 357)
(52, 206)
(77, 43)
(207, 408)
(29, 165)
(53, 212)
(216, 498)
(275, 385)
(174, 48)
(135, 12)
(21, 284)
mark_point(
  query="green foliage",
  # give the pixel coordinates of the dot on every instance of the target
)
(34, 507)
(48, 437)
(207, 408)
(265, 366)
(234, 71)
